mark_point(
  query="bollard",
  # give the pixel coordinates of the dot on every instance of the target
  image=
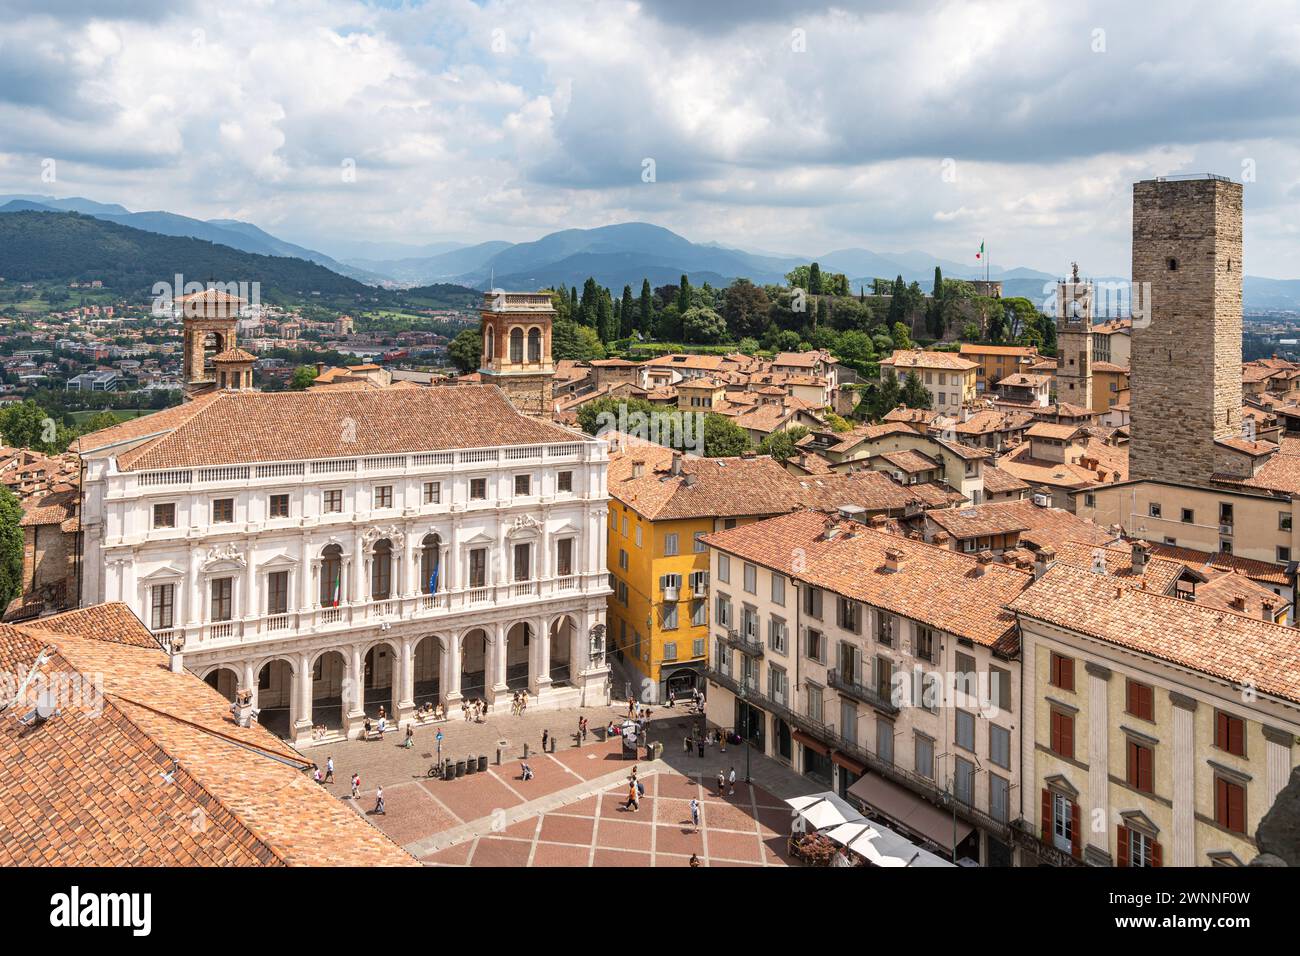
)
(525, 751)
(498, 756)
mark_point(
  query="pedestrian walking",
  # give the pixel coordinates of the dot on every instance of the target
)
(632, 803)
(722, 741)
(695, 814)
(409, 742)
(695, 860)
(315, 774)
(379, 801)
(686, 745)
(722, 783)
(731, 780)
(700, 746)
(356, 786)
(546, 738)
(329, 769)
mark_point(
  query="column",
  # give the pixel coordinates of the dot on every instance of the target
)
(1097, 847)
(499, 658)
(1277, 750)
(300, 694)
(540, 662)
(194, 590)
(307, 571)
(251, 606)
(1184, 829)
(357, 567)
(1030, 783)
(406, 689)
(354, 690)
(450, 679)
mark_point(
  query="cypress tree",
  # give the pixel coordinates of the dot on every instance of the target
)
(627, 318)
(646, 320)
(684, 295)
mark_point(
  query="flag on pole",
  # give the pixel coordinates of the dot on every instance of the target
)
(433, 581)
(338, 586)
(980, 254)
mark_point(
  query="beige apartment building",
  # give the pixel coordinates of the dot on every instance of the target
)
(948, 377)
(1157, 731)
(879, 666)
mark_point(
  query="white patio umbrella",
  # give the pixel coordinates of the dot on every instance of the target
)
(882, 846)
(822, 810)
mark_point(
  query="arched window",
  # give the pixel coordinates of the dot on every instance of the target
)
(331, 576)
(430, 554)
(490, 346)
(517, 345)
(534, 345)
(381, 571)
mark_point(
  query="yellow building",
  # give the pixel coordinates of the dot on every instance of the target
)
(948, 377)
(1109, 384)
(662, 504)
(996, 362)
(1161, 730)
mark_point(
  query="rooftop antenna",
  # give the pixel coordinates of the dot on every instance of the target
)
(45, 708)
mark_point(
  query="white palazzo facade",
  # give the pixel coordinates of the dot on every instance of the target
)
(333, 587)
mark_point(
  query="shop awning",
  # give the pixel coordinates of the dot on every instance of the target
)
(910, 811)
(812, 743)
(849, 763)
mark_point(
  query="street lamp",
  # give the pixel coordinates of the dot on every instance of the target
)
(742, 698)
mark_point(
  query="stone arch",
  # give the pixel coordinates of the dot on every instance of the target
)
(562, 633)
(474, 644)
(534, 345)
(224, 679)
(332, 587)
(518, 653)
(276, 705)
(427, 660)
(381, 665)
(516, 346)
(489, 345)
(329, 682)
(430, 564)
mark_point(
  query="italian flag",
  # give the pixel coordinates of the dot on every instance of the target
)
(980, 254)
(338, 587)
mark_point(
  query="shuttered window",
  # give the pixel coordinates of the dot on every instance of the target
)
(1230, 733)
(1062, 733)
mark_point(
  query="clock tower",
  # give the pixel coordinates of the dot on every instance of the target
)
(517, 348)
(1074, 340)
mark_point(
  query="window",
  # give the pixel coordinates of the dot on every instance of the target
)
(564, 482)
(749, 623)
(724, 569)
(433, 492)
(478, 568)
(670, 649)
(1229, 733)
(1000, 688)
(384, 496)
(776, 634)
(751, 579)
(523, 485)
(430, 563)
(622, 559)
(1061, 813)
(724, 611)
(931, 692)
(1090, 500)
(1153, 509)
(279, 506)
(523, 562)
(621, 592)
(670, 616)
(478, 489)
(699, 613)
(334, 501)
(1140, 761)
(1283, 554)
(1189, 516)
(847, 615)
(697, 647)
(698, 544)
(162, 607)
(1062, 741)
(924, 756)
(517, 346)
(1225, 546)
(1284, 521)
(1229, 805)
(1062, 674)
(667, 581)
(728, 524)
(965, 730)
(1225, 513)
(670, 545)
(777, 683)
(778, 589)
(331, 576)
(1141, 700)
(924, 647)
(1000, 746)
(812, 602)
(885, 628)
(277, 592)
(999, 798)
(223, 511)
(564, 557)
(1137, 848)
(963, 780)
(965, 678)
(223, 591)
(164, 515)
(381, 571)
(885, 740)
(816, 646)
(815, 707)
(884, 677)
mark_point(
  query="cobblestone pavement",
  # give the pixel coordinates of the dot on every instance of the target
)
(571, 813)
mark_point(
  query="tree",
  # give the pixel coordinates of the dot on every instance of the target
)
(27, 425)
(569, 340)
(589, 307)
(902, 338)
(684, 295)
(605, 317)
(304, 375)
(838, 424)
(854, 349)
(646, 317)
(723, 438)
(888, 397)
(781, 445)
(98, 422)
(627, 317)
(747, 309)
(11, 547)
(703, 326)
(897, 302)
(815, 279)
(466, 349)
(748, 346)
(914, 393)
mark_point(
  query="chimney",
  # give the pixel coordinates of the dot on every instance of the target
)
(676, 468)
(1266, 610)
(1043, 560)
(893, 560)
(242, 708)
(982, 562)
(1237, 604)
(1141, 554)
(941, 538)
(877, 521)
(638, 468)
(177, 646)
(320, 367)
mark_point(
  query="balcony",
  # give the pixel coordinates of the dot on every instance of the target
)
(860, 692)
(744, 643)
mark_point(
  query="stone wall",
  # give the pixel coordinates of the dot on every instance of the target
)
(1186, 360)
(49, 566)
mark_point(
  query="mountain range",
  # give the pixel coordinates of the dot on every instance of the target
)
(615, 255)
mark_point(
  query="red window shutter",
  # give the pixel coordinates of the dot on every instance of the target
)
(1047, 815)
(1131, 774)
(1236, 735)
(1121, 848)
(1076, 831)
(1221, 730)
(1146, 781)
(1067, 735)
(1156, 859)
(1068, 664)
(1236, 808)
(1221, 801)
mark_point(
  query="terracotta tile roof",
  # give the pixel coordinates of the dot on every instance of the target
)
(936, 586)
(1112, 466)
(1024, 380)
(991, 420)
(1052, 430)
(1210, 560)
(799, 359)
(156, 772)
(998, 482)
(234, 355)
(1110, 367)
(1281, 472)
(1158, 575)
(873, 490)
(911, 416)
(920, 358)
(53, 508)
(976, 522)
(968, 348)
(1039, 527)
(909, 461)
(1226, 645)
(1233, 591)
(724, 487)
(236, 427)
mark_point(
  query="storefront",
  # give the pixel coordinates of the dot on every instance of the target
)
(750, 724)
(915, 817)
(816, 758)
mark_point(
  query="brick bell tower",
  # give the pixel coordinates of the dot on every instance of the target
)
(517, 348)
(1186, 298)
(209, 321)
(1074, 340)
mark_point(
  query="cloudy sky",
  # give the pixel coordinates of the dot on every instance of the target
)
(775, 126)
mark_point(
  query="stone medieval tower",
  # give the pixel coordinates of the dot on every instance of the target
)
(1186, 302)
(517, 348)
(1074, 341)
(210, 320)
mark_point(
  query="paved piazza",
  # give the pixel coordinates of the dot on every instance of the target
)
(571, 813)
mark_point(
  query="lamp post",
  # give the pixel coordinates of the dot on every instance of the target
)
(742, 697)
